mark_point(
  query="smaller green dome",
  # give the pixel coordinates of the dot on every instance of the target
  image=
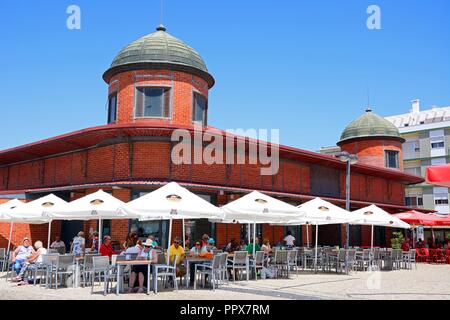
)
(370, 125)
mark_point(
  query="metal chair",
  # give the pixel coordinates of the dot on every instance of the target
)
(9, 267)
(49, 261)
(213, 271)
(165, 271)
(3, 258)
(338, 261)
(223, 267)
(281, 261)
(87, 266)
(239, 263)
(364, 259)
(411, 258)
(397, 259)
(292, 260)
(257, 262)
(350, 261)
(376, 260)
(64, 267)
(101, 270)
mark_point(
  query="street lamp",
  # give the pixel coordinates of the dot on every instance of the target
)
(350, 159)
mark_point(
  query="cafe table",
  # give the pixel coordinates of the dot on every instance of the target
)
(122, 264)
(194, 259)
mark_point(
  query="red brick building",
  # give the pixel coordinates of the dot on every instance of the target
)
(158, 84)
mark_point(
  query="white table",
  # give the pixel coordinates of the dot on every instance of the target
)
(122, 264)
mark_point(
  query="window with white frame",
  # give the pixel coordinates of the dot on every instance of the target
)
(437, 143)
(392, 159)
(440, 196)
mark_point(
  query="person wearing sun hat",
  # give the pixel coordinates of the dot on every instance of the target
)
(140, 271)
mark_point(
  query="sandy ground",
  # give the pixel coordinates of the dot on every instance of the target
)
(426, 282)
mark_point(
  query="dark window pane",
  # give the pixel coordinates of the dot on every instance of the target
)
(112, 108)
(200, 107)
(420, 201)
(153, 102)
(392, 159)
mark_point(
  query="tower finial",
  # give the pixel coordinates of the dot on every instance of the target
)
(161, 28)
(162, 13)
(368, 108)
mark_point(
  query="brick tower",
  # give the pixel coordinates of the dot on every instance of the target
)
(374, 140)
(158, 79)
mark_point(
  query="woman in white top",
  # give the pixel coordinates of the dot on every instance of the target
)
(147, 253)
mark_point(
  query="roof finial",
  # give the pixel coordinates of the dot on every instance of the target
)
(368, 108)
(161, 25)
(161, 28)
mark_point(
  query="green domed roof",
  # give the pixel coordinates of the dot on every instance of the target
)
(370, 125)
(159, 49)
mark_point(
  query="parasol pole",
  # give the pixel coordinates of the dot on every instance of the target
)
(315, 258)
(307, 236)
(49, 232)
(10, 236)
(184, 235)
(168, 242)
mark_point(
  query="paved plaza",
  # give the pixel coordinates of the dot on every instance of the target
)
(431, 282)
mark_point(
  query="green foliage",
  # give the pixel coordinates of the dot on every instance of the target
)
(396, 240)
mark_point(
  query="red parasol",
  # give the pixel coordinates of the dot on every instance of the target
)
(439, 175)
(418, 218)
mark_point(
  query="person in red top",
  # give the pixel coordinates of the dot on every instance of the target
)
(106, 249)
(405, 245)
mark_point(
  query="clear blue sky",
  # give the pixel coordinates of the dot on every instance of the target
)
(300, 66)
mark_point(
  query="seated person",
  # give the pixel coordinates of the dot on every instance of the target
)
(140, 271)
(210, 246)
(94, 246)
(21, 254)
(106, 248)
(195, 252)
(32, 262)
(266, 246)
(130, 247)
(204, 240)
(232, 246)
(249, 247)
(176, 250)
(58, 244)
